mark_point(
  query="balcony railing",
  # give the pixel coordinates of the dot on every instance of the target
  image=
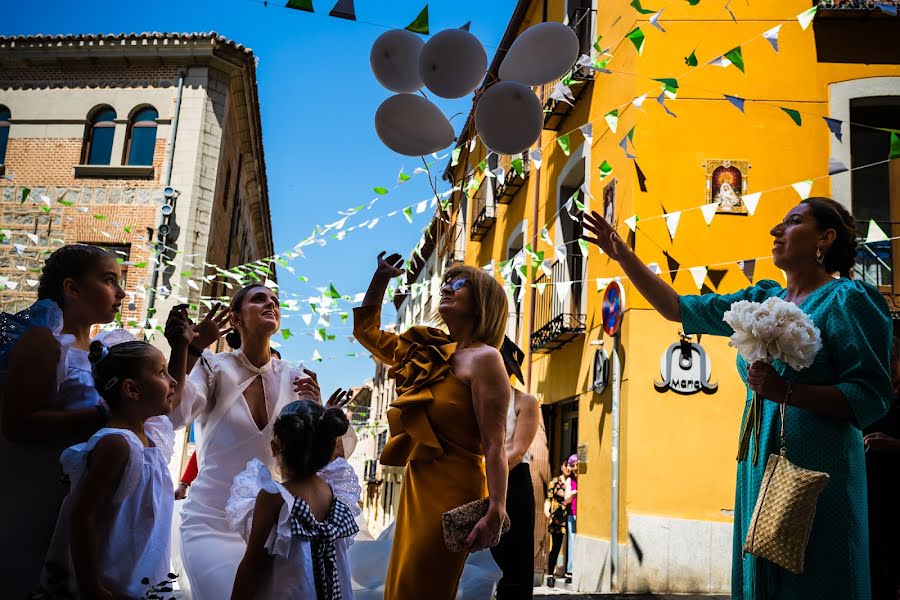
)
(483, 214)
(557, 316)
(513, 182)
(875, 260)
(555, 111)
(857, 5)
(857, 31)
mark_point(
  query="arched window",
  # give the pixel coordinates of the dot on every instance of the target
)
(99, 137)
(4, 132)
(141, 137)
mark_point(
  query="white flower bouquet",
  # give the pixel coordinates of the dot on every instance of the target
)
(766, 331)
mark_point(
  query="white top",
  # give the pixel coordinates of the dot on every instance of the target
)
(511, 426)
(292, 573)
(133, 530)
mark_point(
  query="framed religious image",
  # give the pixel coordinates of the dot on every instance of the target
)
(726, 183)
(609, 202)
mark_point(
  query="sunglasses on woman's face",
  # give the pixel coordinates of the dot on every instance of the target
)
(456, 284)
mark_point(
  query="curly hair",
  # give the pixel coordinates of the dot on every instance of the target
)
(71, 261)
(840, 256)
(307, 433)
(233, 337)
(113, 365)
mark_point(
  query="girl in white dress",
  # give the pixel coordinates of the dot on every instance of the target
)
(233, 397)
(48, 400)
(113, 533)
(297, 531)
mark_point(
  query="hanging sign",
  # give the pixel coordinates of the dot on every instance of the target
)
(613, 308)
(685, 369)
(601, 371)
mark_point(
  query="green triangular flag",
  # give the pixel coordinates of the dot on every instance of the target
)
(306, 5)
(380, 190)
(332, 292)
(564, 144)
(671, 86)
(895, 146)
(25, 192)
(636, 5)
(637, 38)
(420, 25)
(691, 60)
(407, 212)
(605, 170)
(286, 334)
(454, 156)
(736, 58)
(597, 46)
(612, 119)
(693, 2)
(518, 166)
(402, 177)
(793, 114)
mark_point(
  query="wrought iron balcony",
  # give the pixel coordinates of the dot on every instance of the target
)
(557, 316)
(871, 6)
(857, 31)
(555, 111)
(513, 181)
(484, 216)
(875, 260)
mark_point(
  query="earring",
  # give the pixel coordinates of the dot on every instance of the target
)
(820, 258)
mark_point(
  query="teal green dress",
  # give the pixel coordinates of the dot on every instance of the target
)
(855, 324)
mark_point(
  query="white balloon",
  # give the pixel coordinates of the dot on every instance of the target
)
(509, 117)
(452, 63)
(395, 60)
(542, 53)
(411, 125)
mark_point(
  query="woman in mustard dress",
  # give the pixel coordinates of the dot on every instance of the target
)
(447, 424)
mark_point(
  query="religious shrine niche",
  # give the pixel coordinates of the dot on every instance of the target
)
(726, 183)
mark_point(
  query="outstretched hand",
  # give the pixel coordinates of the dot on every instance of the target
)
(338, 399)
(389, 267)
(179, 331)
(215, 325)
(605, 236)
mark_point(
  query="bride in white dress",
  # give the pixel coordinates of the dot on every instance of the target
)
(234, 398)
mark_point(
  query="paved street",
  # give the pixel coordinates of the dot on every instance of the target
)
(545, 593)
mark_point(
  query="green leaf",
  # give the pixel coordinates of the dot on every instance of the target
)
(736, 57)
(286, 334)
(637, 38)
(564, 144)
(636, 5)
(420, 24)
(605, 170)
(794, 115)
(895, 145)
(380, 190)
(691, 60)
(407, 212)
(25, 192)
(306, 5)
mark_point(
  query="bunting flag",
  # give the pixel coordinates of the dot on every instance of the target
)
(564, 144)
(672, 220)
(603, 283)
(654, 20)
(748, 267)
(562, 93)
(637, 38)
(545, 237)
(835, 166)
(691, 60)
(793, 114)
(804, 188)
(670, 86)
(563, 289)
(636, 4)
(587, 130)
(709, 211)
(807, 16)
(632, 223)
(420, 24)
(612, 119)
(662, 101)
(305, 5)
(772, 37)
(560, 252)
(750, 201)
(738, 103)
(736, 57)
(834, 125)
(895, 146)
(673, 265)
(605, 169)
(536, 158)
(639, 101)
(655, 268)
(693, 2)
(699, 275)
(623, 144)
(729, 11)
(642, 179)
(584, 246)
(716, 276)
(343, 9)
(875, 233)
(720, 61)
(454, 156)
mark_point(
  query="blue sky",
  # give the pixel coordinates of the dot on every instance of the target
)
(318, 100)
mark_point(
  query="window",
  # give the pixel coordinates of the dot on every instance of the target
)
(4, 132)
(141, 142)
(99, 137)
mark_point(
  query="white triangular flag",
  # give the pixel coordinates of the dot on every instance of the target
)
(709, 211)
(603, 283)
(373, 222)
(699, 275)
(720, 61)
(540, 288)
(316, 356)
(639, 101)
(672, 222)
(772, 37)
(32, 282)
(536, 158)
(420, 207)
(807, 16)
(472, 143)
(632, 223)
(500, 174)
(654, 20)
(587, 130)
(612, 119)
(307, 318)
(585, 190)
(750, 201)
(34, 239)
(655, 268)
(563, 290)
(545, 236)
(804, 188)
(560, 252)
(876, 233)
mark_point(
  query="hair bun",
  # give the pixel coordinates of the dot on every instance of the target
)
(95, 353)
(233, 338)
(334, 423)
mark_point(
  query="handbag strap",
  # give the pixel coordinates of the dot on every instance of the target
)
(783, 409)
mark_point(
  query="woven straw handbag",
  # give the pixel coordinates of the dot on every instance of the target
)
(785, 508)
(459, 522)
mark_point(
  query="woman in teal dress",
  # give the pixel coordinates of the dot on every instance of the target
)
(846, 388)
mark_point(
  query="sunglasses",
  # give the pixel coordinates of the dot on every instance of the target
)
(456, 284)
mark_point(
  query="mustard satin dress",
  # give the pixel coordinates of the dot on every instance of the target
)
(435, 435)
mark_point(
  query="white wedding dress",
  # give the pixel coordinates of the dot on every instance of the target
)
(229, 438)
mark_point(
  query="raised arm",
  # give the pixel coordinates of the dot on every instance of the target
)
(658, 293)
(31, 386)
(367, 318)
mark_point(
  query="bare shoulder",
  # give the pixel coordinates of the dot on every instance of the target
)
(268, 503)
(525, 402)
(475, 361)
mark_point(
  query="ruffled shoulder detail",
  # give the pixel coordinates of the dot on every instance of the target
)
(162, 434)
(74, 461)
(242, 501)
(43, 313)
(425, 353)
(344, 483)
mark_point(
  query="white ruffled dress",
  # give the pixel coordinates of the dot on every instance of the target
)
(31, 478)
(134, 530)
(292, 574)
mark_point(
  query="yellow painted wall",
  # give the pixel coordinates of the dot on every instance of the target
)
(677, 452)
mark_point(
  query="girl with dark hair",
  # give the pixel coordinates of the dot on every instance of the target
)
(297, 531)
(233, 398)
(49, 399)
(827, 405)
(114, 527)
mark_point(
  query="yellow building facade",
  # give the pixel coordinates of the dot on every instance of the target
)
(657, 466)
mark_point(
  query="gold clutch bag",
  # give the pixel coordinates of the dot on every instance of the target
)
(459, 523)
(785, 508)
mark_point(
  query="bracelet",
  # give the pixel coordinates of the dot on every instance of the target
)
(787, 394)
(194, 352)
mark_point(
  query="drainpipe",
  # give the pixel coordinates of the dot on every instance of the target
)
(614, 484)
(170, 159)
